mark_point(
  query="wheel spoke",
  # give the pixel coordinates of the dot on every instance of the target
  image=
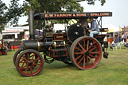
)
(31, 69)
(22, 64)
(91, 45)
(78, 53)
(36, 59)
(26, 69)
(34, 67)
(95, 52)
(25, 59)
(92, 56)
(37, 64)
(22, 58)
(81, 46)
(33, 56)
(87, 61)
(78, 48)
(93, 48)
(22, 68)
(87, 45)
(78, 57)
(91, 59)
(28, 55)
(21, 61)
(80, 60)
(84, 61)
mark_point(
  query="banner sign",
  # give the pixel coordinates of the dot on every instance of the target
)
(71, 15)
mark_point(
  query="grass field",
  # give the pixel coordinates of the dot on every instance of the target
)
(111, 71)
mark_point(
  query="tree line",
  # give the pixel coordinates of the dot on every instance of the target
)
(15, 9)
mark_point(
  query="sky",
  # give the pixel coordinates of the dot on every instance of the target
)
(117, 7)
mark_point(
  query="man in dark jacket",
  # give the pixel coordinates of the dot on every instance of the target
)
(94, 28)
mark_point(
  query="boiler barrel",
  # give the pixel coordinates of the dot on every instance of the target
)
(36, 45)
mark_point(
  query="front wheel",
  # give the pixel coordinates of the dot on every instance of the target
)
(85, 52)
(29, 63)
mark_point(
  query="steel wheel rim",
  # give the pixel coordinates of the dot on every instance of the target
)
(31, 65)
(87, 53)
(16, 55)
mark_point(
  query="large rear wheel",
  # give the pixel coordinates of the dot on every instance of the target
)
(85, 52)
(29, 63)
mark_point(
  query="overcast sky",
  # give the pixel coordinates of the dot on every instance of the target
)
(117, 7)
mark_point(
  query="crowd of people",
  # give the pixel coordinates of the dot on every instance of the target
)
(119, 40)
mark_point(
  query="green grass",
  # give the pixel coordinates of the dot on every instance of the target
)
(111, 71)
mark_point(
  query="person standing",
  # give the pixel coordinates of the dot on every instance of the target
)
(116, 39)
(83, 22)
(124, 37)
(126, 41)
(120, 38)
(9, 46)
(94, 28)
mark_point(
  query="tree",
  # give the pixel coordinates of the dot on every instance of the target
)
(92, 2)
(3, 21)
(15, 10)
(53, 5)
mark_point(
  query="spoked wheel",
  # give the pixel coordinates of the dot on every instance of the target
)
(16, 55)
(29, 63)
(85, 52)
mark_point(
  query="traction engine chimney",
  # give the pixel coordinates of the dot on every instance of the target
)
(31, 25)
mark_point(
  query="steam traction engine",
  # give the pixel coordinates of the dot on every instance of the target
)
(71, 46)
